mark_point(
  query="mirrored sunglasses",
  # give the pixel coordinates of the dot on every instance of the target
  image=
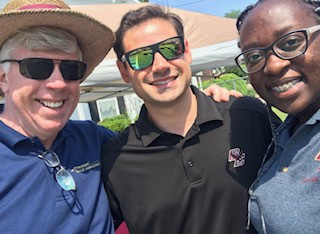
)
(143, 57)
(63, 177)
(42, 68)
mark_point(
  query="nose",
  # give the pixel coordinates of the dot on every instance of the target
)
(56, 81)
(274, 64)
(159, 63)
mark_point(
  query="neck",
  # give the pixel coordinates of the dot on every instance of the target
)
(45, 138)
(176, 118)
(306, 114)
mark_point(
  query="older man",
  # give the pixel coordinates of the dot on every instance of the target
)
(50, 166)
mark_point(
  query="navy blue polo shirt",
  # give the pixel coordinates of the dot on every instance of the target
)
(31, 201)
(160, 182)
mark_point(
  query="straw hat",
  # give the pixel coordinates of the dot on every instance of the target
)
(95, 38)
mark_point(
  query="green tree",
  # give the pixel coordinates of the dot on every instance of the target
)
(116, 123)
(235, 70)
(234, 14)
(231, 81)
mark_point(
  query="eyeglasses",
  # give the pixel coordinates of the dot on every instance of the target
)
(289, 46)
(143, 57)
(63, 177)
(42, 68)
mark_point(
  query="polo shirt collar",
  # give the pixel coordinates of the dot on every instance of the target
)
(11, 137)
(314, 118)
(208, 110)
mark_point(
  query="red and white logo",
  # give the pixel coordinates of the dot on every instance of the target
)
(237, 157)
(317, 158)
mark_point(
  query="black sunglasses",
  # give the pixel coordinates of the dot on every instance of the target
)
(42, 68)
(142, 58)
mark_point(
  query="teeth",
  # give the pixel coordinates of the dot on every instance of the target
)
(162, 82)
(285, 87)
(52, 104)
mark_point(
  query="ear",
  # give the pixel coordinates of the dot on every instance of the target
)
(187, 52)
(123, 71)
(3, 81)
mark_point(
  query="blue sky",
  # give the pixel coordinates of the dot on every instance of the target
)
(212, 7)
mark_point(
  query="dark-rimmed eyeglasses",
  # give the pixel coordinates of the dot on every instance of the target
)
(42, 68)
(143, 57)
(63, 177)
(289, 46)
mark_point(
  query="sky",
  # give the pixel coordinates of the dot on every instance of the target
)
(212, 7)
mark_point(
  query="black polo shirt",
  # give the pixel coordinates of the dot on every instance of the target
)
(162, 183)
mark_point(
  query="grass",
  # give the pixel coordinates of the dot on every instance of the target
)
(281, 115)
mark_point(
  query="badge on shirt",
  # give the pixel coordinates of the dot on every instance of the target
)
(317, 158)
(237, 157)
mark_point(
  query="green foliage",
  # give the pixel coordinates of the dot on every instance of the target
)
(231, 81)
(116, 123)
(281, 114)
(235, 70)
(234, 14)
(237, 84)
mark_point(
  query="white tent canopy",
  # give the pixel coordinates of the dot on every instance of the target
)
(213, 42)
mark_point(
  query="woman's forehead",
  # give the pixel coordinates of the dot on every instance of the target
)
(270, 20)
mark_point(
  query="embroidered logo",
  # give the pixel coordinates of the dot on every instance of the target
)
(317, 158)
(237, 157)
(85, 167)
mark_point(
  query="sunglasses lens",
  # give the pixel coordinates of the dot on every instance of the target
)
(172, 48)
(65, 179)
(141, 58)
(41, 69)
(50, 158)
(72, 70)
(36, 68)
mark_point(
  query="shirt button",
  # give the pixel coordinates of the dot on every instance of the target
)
(285, 169)
(190, 163)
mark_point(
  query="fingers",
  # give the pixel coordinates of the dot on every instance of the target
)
(235, 93)
(213, 90)
(220, 94)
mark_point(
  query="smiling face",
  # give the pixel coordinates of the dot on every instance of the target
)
(165, 81)
(38, 107)
(293, 86)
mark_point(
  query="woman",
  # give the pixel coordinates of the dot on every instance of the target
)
(280, 46)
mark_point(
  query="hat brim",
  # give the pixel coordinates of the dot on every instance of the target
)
(95, 38)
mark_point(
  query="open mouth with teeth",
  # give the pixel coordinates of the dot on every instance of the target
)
(162, 82)
(285, 87)
(52, 104)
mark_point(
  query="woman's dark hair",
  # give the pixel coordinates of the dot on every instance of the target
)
(141, 15)
(310, 6)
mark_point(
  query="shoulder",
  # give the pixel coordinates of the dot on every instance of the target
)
(88, 128)
(117, 141)
(245, 105)
(248, 112)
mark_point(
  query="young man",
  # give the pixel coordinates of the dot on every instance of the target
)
(50, 166)
(186, 164)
